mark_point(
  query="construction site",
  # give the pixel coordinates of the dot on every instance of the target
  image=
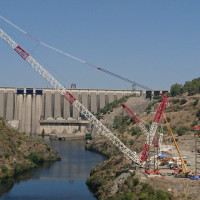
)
(157, 159)
(160, 160)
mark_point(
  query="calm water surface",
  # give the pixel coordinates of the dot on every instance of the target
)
(62, 180)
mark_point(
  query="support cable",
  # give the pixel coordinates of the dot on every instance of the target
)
(73, 57)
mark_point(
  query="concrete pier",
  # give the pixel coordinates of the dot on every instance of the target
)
(102, 100)
(85, 99)
(110, 97)
(48, 104)
(93, 96)
(2, 103)
(66, 109)
(57, 105)
(10, 105)
(28, 114)
(75, 110)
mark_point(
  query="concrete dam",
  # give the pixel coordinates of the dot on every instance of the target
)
(30, 109)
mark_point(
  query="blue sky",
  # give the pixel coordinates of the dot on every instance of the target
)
(155, 43)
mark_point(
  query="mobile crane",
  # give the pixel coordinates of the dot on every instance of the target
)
(184, 172)
(69, 97)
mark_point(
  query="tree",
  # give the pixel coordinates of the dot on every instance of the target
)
(176, 89)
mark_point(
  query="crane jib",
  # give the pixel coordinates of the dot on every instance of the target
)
(21, 52)
(68, 96)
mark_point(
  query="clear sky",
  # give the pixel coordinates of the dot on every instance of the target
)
(152, 42)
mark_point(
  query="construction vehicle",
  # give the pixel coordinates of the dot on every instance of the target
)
(179, 173)
(69, 97)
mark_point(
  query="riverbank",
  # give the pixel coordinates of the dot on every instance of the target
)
(19, 153)
(56, 180)
(113, 179)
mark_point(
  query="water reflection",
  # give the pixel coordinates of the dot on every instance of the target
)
(64, 179)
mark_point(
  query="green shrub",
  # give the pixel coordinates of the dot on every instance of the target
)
(194, 123)
(133, 173)
(36, 158)
(48, 148)
(19, 143)
(128, 196)
(3, 122)
(175, 101)
(182, 130)
(121, 123)
(198, 114)
(135, 131)
(183, 101)
(143, 196)
(196, 102)
(136, 181)
(131, 142)
(17, 168)
(160, 195)
(7, 155)
(149, 106)
(126, 166)
(4, 169)
(118, 173)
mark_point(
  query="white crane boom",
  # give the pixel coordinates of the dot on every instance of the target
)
(154, 125)
(68, 96)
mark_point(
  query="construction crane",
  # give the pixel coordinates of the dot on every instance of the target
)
(142, 128)
(153, 128)
(135, 119)
(184, 168)
(74, 57)
(69, 97)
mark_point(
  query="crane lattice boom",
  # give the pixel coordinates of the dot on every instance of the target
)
(156, 120)
(135, 119)
(69, 97)
(154, 127)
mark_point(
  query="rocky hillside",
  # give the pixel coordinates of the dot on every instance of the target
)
(111, 179)
(19, 153)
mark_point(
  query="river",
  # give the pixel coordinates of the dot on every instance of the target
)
(61, 180)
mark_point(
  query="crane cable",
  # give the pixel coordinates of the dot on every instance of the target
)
(73, 57)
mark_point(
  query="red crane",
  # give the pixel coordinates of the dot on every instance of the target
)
(143, 128)
(153, 128)
(135, 119)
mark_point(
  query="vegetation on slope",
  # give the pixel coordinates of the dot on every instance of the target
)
(19, 153)
(111, 180)
(109, 107)
(191, 87)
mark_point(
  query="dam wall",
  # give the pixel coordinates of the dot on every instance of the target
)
(24, 108)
